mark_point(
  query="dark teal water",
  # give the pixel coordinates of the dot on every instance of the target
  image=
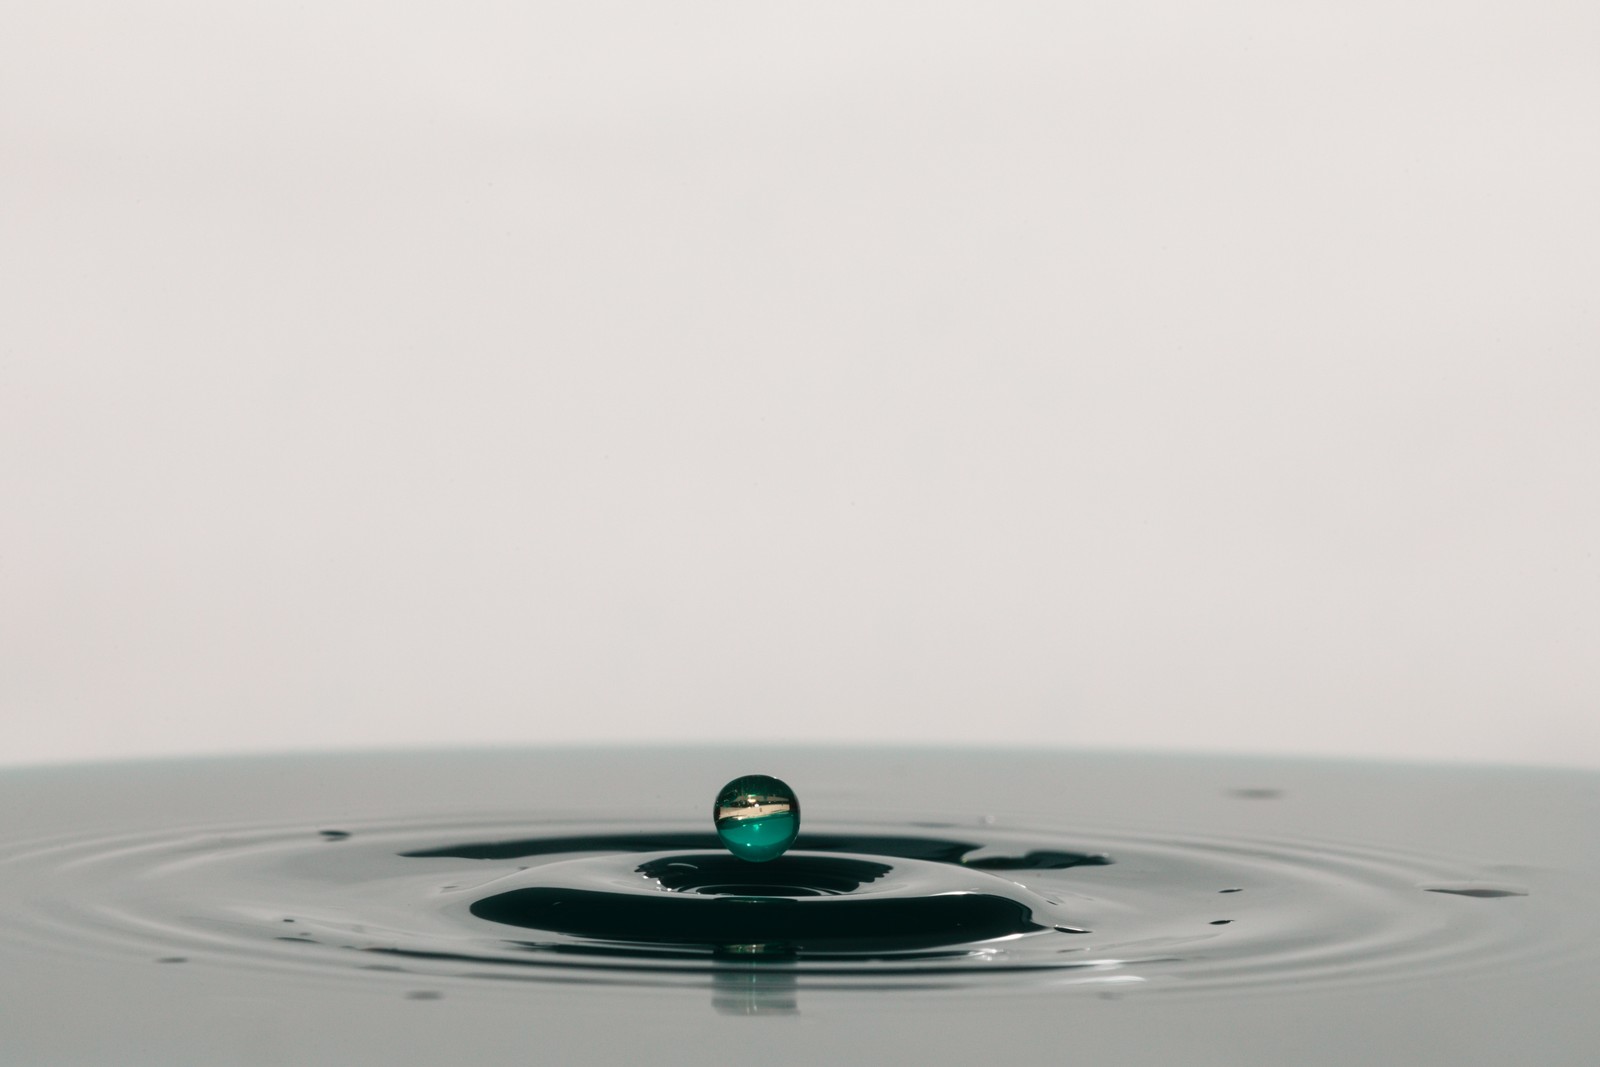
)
(317, 909)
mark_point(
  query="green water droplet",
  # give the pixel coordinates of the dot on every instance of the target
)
(757, 817)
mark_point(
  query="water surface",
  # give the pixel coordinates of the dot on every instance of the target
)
(360, 908)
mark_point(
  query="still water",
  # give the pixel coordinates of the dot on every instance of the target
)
(936, 907)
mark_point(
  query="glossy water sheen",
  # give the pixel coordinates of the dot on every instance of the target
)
(411, 909)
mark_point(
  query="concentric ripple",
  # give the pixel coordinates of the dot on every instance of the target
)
(852, 905)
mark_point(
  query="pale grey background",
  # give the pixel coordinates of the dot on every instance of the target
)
(1153, 374)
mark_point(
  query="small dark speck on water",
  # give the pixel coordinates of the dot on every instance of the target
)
(1220, 922)
(1256, 794)
(334, 835)
(1228, 890)
(1480, 891)
(173, 959)
(424, 994)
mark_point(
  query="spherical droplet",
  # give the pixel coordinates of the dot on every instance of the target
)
(757, 817)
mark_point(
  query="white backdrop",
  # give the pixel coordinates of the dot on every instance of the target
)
(1135, 374)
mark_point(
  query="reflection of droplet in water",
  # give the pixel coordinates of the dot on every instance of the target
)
(756, 988)
(757, 817)
(334, 835)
